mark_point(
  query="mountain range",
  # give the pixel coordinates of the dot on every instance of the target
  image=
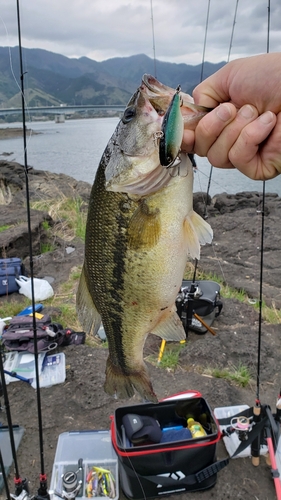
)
(52, 79)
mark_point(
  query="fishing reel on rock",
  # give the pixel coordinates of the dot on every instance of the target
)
(184, 306)
(198, 304)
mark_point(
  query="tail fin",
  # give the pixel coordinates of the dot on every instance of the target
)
(122, 385)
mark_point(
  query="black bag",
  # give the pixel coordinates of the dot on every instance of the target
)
(19, 334)
(9, 270)
(201, 298)
(150, 469)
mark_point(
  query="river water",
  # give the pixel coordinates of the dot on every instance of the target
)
(76, 146)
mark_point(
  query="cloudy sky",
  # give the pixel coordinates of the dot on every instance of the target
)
(102, 29)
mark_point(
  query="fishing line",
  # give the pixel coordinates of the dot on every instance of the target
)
(232, 31)
(204, 201)
(228, 57)
(14, 76)
(42, 492)
(153, 38)
(205, 41)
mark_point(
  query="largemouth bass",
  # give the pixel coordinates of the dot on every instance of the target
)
(140, 228)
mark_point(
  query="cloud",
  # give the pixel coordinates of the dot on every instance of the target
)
(117, 28)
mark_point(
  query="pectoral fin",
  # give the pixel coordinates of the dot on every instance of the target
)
(144, 228)
(197, 231)
(87, 313)
(170, 328)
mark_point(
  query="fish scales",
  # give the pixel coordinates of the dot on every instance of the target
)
(140, 226)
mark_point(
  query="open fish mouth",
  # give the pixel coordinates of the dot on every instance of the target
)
(149, 137)
(156, 90)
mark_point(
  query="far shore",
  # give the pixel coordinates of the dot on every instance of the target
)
(10, 132)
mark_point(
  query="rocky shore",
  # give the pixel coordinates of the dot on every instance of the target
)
(234, 255)
(80, 403)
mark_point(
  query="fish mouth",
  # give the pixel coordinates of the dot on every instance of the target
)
(134, 166)
(156, 90)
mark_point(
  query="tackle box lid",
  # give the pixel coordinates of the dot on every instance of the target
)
(89, 445)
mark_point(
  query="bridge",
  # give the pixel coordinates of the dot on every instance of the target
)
(62, 109)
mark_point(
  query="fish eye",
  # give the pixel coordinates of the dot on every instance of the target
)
(129, 114)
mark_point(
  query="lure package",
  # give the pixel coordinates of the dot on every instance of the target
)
(148, 468)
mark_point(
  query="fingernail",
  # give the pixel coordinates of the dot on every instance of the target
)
(266, 117)
(246, 111)
(223, 112)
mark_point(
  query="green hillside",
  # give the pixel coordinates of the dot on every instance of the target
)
(51, 79)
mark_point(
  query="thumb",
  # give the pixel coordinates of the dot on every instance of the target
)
(213, 90)
(205, 95)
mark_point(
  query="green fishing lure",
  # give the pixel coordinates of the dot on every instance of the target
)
(172, 132)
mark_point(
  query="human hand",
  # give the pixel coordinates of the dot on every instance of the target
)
(249, 139)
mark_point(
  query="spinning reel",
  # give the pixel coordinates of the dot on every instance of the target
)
(71, 485)
(242, 426)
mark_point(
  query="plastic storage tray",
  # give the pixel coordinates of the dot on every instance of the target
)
(96, 450)
(5, 447)
(23, 364)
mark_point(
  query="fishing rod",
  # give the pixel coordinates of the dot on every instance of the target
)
(271, 430)
(21, 487)
(255, 448)
(42, 491)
